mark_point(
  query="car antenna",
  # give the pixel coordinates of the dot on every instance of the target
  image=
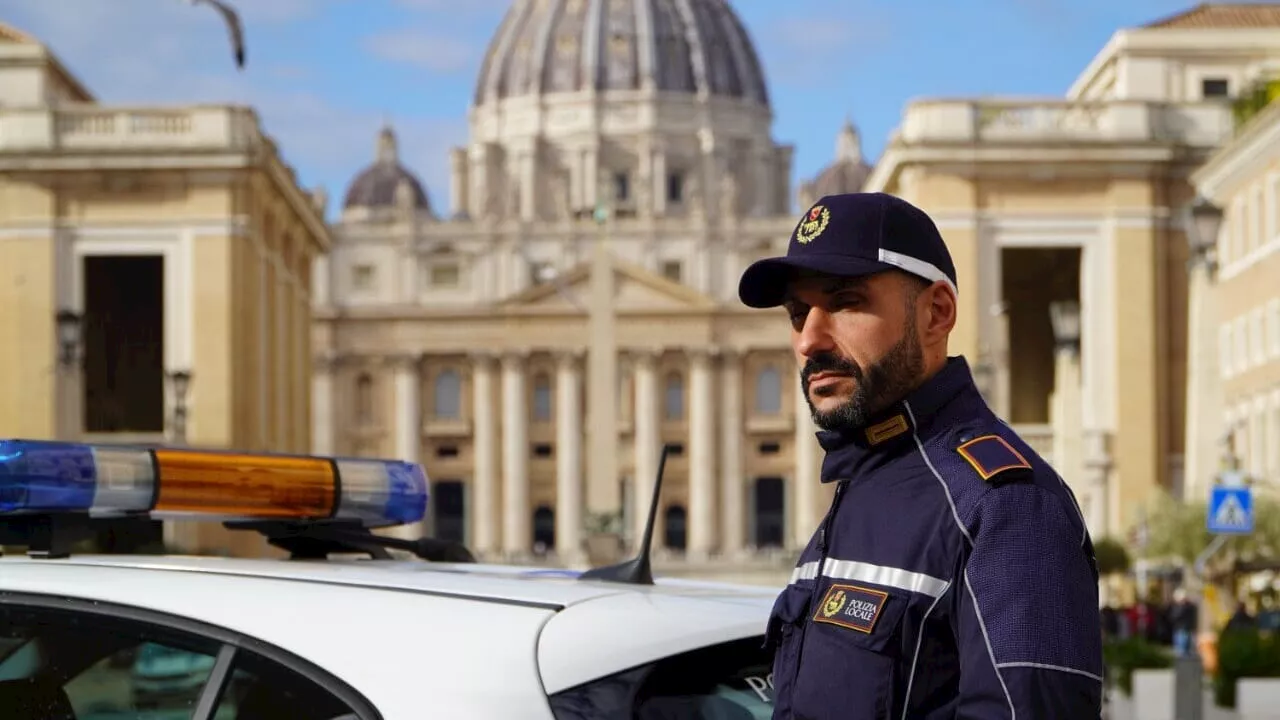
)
(637, 570)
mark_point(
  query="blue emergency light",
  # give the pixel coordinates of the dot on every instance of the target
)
(40, 477)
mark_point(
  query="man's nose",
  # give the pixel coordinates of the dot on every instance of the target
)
(815, 334)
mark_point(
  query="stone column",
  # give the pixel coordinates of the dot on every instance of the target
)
(515, 457)
(569, 500)
(733, 484)
(459, 183)
(648, 446)
(408, 404)
(702, 447)
(1097, 469)
(1067, 422)
(659, 179)
(528, 178)
(322, 439)
(805, 481)
(732, 481)
(1204, 425)
(484, 481)
(408, 420)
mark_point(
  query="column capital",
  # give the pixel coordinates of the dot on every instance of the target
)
(403, 361)
(482, 357)
(731, 354)
(643, 355)
(513, 359)
(701, 355)
(568, 358)
(327, 362)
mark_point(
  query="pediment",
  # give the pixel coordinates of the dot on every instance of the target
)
(636, 289)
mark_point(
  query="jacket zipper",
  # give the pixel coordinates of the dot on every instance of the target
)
(824, 530)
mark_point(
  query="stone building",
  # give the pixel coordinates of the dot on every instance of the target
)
(535, 344)
(155, 270)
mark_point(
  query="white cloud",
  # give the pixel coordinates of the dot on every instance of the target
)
(803, 49)
(429, 51)
(169, 52)
(454, 6)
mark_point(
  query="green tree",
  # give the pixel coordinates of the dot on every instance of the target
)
(1177, 529)
(1112, 556)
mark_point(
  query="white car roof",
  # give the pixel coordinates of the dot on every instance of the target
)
(464, 640)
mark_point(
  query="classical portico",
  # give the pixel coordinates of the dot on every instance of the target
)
(600, 214)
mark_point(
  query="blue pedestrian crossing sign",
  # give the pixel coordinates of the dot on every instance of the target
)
(1230, 510)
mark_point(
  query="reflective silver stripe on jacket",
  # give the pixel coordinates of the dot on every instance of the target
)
(877, 574)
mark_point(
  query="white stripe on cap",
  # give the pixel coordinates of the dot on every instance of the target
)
(929, 271)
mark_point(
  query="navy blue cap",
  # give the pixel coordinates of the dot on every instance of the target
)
(853, 235)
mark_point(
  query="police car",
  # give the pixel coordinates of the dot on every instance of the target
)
(330, 634)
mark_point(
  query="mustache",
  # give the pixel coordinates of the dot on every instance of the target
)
(829, 362)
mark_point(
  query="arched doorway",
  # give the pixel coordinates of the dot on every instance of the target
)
(544, 529)
(675, 535)
(769, 512)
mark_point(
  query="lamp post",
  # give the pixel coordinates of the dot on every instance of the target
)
(69, 336)
(1202, 266)
(70, 330)
(1065, 316)
(1202, 240)
(180, 383)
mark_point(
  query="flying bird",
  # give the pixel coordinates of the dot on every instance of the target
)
(232, 18)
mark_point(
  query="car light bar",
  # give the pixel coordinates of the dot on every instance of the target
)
(40, 477)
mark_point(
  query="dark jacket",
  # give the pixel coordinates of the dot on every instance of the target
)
(953, 576)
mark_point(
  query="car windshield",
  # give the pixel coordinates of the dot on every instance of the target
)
(730, 681)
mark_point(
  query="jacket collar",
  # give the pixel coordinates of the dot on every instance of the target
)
(848, 451)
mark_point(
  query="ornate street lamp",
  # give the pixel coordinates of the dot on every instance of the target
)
(1206, 223)
(180, 381)
(1065, 316)
(69, 337)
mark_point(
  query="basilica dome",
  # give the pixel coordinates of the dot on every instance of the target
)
(378, 185)
(546, 47)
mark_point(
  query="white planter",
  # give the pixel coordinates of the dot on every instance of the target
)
(1258, 698)
(1153, 694)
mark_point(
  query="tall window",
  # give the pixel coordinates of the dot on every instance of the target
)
(448, 395)
(769, 391)
(541, 398)
(673, 398)
(364, 398)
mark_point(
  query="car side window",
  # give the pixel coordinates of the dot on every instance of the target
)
(260, 689)
(58, 664)
(62, 664)
(730, 681)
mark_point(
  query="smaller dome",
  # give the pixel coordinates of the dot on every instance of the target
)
(378, 185)
(847, 174)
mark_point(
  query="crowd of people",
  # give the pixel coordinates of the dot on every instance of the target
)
(1164, 623)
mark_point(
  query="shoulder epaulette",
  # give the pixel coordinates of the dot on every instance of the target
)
(992, 456)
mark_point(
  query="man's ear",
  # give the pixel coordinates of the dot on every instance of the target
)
(941, 313)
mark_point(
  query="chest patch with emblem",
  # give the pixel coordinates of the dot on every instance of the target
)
(851, 606)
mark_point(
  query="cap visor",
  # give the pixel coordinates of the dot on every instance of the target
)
(764, 284)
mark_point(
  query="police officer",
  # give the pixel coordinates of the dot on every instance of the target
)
(953, 576)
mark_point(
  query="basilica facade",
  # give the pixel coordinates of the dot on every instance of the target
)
(537, 344)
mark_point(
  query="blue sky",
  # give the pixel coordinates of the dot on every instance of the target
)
(324, 73)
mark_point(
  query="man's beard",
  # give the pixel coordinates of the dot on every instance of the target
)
(885, 382)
